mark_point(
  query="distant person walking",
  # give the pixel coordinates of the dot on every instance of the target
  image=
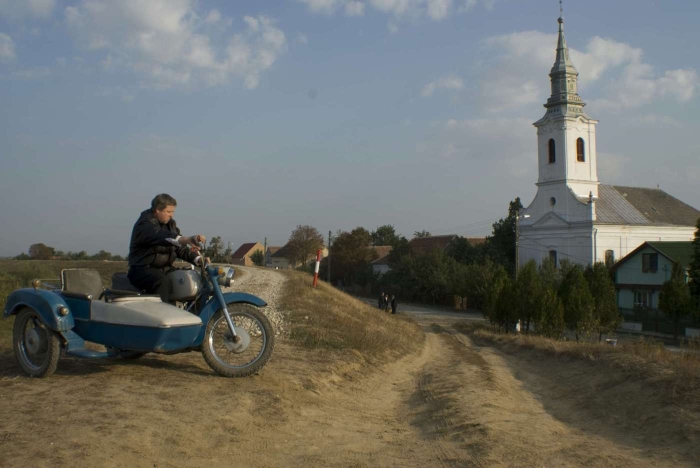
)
(382, 301)
(393, 304)
(387, 303)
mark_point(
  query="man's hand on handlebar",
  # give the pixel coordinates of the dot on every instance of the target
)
(194, 241)
(207, 261)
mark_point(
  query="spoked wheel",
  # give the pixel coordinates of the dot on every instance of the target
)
(245, 356)
(37, 347)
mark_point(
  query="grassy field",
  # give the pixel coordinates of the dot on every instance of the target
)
(325, 318)
(16, 274)
(677, 371)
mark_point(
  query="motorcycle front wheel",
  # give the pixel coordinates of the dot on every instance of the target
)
(250, 352)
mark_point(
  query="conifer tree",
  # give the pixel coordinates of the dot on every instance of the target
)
(577, 300)
(695, 267)
(675, 300)
(528, 289)
(551, 314)
(606, 314)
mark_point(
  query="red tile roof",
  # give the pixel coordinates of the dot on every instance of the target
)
(243, 250)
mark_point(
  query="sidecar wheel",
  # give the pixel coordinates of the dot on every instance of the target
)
(249, 355)
(131, 355)
(37, 347)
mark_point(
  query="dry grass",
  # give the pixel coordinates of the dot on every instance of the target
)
(649, 360)
(325, 318)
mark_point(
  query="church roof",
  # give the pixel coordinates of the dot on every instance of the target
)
(642, 206)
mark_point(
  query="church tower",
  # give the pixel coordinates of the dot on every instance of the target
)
(566, 135)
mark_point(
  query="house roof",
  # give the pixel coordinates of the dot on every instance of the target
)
(476, 240)
(282, 252)
(244, 250)
(426, 244)
(272, 250)
(381, 260)
(681, 251)
(382, 250)
(642, 206)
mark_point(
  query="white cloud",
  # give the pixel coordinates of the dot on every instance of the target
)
(171, 45)
(354, 8)
(679, 83)
(516, 76)
(439, 9)
(17, 9)
(450, 82)
(323, 6)
(213, 17)
(436, 10)
(7, 48)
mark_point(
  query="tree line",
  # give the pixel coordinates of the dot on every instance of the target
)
(44, 252)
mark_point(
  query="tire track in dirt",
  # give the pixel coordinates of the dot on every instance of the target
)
(469, 403)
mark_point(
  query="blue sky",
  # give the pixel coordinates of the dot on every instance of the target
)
(259, 116)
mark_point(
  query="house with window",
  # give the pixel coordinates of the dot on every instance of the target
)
(381, 264)
(573, 216)
(640, 275)
(268, 255)
(242, 256)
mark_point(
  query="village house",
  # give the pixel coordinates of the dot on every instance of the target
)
(268, 256)
(381, 263)
(640, 275)
(242, 256)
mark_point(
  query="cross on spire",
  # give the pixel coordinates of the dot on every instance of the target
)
(561, 8)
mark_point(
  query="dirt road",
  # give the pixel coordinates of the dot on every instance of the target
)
(451, 404)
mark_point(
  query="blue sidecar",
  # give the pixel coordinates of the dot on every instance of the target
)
(234, 336)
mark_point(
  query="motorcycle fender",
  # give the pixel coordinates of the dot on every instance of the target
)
(232, 297)
(46, 303)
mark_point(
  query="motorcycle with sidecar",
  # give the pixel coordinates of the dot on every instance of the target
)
(229, 328)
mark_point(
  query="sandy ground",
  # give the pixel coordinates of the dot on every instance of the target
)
(453, 403)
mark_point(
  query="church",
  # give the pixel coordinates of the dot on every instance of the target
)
(573, 215)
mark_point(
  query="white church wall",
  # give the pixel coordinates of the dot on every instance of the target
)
(573, 244)
(558, 199)
(622, 240)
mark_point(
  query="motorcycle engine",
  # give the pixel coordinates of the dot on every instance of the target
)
(184, 284)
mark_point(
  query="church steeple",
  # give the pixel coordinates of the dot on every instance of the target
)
(564, 79)
(566, 135)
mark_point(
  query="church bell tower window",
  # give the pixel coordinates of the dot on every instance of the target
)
(580, 150)
(552, 151)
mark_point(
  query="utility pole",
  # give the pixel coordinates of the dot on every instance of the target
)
(517, 234)
(265, 254)
(329, 257)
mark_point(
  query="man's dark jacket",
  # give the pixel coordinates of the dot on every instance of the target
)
(149, 247)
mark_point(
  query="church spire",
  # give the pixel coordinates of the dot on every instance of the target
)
(564, 76)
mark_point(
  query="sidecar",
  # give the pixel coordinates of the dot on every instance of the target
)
(82, 310)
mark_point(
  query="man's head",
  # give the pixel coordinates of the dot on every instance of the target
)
(163, 206)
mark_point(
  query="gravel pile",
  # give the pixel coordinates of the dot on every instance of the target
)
(266, 284)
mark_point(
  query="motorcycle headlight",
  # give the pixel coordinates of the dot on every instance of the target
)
(225, 278)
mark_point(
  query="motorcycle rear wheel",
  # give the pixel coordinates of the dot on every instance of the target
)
(37, 348)
(221, 353)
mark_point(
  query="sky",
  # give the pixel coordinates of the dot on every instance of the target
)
(258, 116)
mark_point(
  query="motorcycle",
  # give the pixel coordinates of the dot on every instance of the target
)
(234, 336)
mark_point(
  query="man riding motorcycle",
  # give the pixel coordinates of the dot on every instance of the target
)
(156, 243)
